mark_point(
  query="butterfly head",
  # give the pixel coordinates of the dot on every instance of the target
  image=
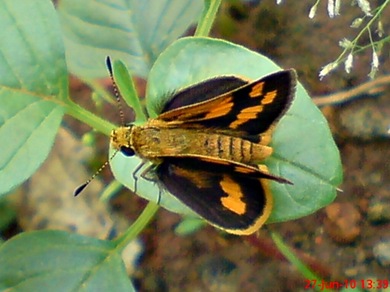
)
(121, 140)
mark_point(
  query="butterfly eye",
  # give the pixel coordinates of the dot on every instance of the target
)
(127, 151)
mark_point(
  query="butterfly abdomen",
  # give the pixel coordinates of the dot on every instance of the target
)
(155, 143)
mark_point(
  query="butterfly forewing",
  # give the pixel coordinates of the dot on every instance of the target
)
(203, 91)
(250, 109)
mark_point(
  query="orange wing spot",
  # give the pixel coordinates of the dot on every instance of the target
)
(245, 170)
(257, 90)
(269, 97)
(233, 201)
(215, 160)
(221, 110)
(251, 111)
(245, 115)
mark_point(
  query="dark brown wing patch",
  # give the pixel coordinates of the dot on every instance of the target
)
(203, 91)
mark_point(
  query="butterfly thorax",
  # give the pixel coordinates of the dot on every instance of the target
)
(157, 140)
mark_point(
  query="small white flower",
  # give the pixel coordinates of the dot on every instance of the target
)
(313, 11)
(364, 6)
(375, 60)
(279, 2)
(327, 68)
(356, 22)
(380, 30)
(337, 7)
(345, 43)
(349, 63)
(374, 65)
(333, 8)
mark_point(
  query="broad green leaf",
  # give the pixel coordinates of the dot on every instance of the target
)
(304, 150)
(60, 261)
(133, 31)
(32, 77)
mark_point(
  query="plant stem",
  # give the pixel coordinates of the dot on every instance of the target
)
(132, 232)
(110, 190)
(208, 16)
(295, 261)
(366, 28)
(89, 118)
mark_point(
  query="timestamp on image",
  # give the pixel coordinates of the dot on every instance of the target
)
(349, 283)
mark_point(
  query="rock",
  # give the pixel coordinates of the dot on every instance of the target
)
(342, 222)
(219, 274)
(378, 210)
(381, 252)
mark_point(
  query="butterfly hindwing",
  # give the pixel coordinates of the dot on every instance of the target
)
(236, 199)
(251, 108)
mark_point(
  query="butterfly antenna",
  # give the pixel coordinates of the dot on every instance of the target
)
(84, 185)
(116, 91)
(122, 118)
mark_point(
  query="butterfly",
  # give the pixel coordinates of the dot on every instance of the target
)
(207, 145)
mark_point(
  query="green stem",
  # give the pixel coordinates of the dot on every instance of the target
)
(208, 16)
(362, 48)
(132, 232)
(89, 118)
(295, 261)
(110, 190)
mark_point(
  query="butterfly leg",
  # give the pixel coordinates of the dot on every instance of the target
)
(150, 176)
(135, 176)
(147, 175)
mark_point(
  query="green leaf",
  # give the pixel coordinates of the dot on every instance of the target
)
(123, 169)
(133, 31)
(32, 77)
(60, 261)
(304, 150)
(189, 225)
(128, 91)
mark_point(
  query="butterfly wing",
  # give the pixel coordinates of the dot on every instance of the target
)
(203, 91)
(230, 196)
(251, 108)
